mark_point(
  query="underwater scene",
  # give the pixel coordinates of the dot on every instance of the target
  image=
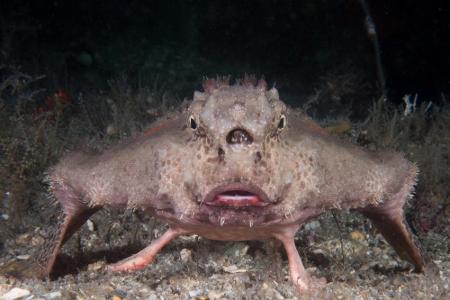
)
(224, 149)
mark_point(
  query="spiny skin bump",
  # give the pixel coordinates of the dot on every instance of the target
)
(238, 164)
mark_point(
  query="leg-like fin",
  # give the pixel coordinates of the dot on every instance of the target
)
(72, 214)
(392, 225)
(146, 255)
(299, 276)
(388, 218)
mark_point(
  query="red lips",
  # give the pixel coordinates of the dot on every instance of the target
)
(237, 199)
(237, 196)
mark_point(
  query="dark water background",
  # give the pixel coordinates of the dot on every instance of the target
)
(82, 44)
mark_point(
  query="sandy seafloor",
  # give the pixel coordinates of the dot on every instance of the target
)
(356, 262)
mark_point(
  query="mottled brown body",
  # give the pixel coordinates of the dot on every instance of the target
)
(236, 165)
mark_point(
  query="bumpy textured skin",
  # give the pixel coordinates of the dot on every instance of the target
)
(237, 137)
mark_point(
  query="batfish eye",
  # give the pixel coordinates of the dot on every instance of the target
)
(192, 123)
(282, 122)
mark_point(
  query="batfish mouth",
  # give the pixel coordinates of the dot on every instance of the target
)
(237, 195)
